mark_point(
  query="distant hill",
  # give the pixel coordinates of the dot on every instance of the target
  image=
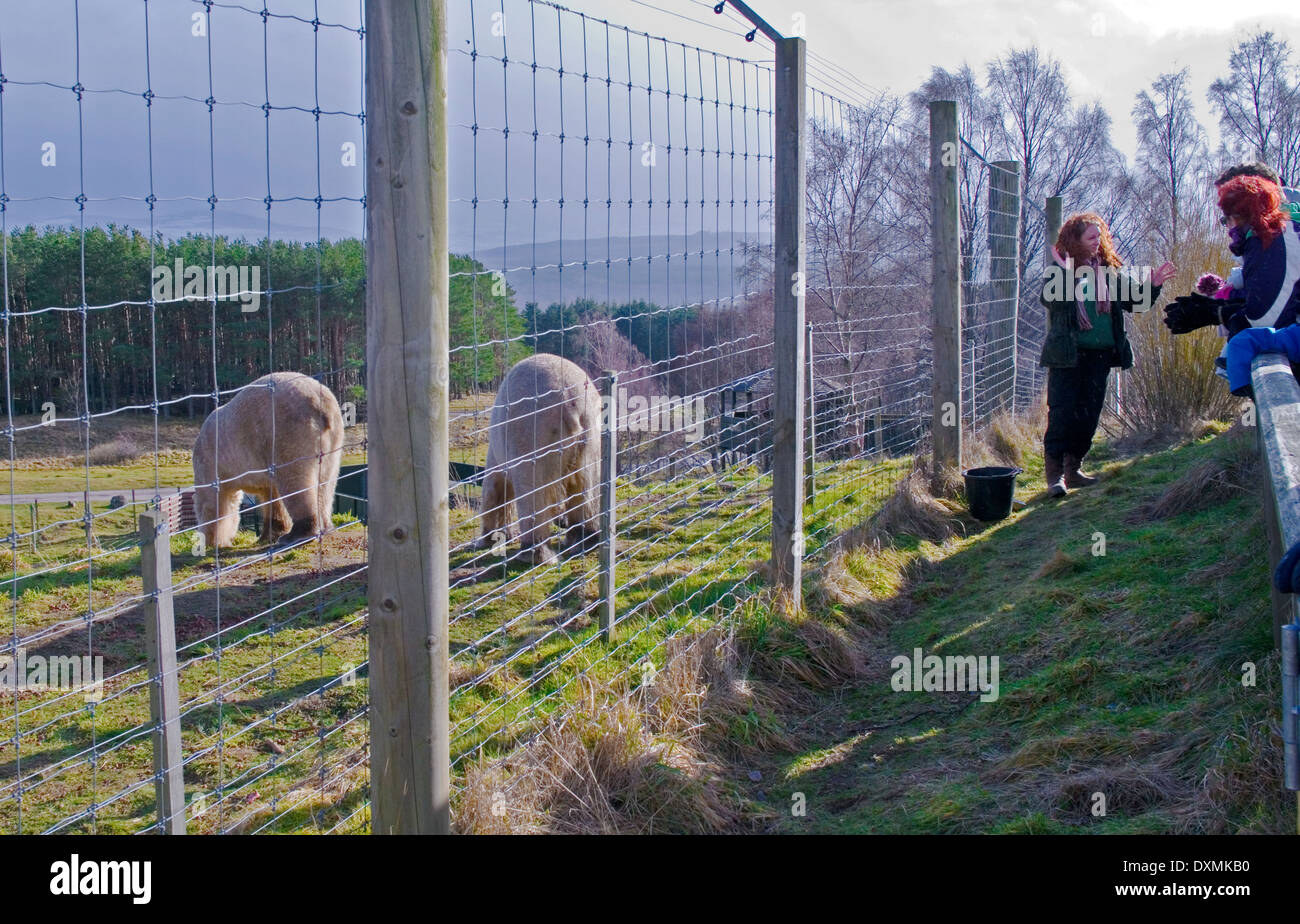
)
(666, 270)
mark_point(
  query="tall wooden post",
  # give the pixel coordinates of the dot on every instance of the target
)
(164, 686)
(788, 328)
(946, 287)
(407, 370)
(1004, 271)
(1053, 214)
(608, 505)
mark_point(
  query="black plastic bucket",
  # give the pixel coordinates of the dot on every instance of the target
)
(989, 491)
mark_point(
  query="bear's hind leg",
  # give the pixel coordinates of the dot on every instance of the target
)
(581, 517)
(535, 515)
(275, 519)
(299, 497)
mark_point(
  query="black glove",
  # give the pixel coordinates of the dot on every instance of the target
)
(1192, 312)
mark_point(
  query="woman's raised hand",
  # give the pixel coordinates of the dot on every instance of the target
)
(1061, 260)
(1163, 273)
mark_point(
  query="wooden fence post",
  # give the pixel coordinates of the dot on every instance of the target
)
(608, 505)
(1052, 211)
(810, 425)
(407, 369)
(1004, 271)
(790, 99)
(946, 286)
(164, 687)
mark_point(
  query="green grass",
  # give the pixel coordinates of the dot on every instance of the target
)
(138, 476)
(1119, 673)
(285, 747)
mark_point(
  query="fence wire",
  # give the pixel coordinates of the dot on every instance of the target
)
(174, 227)
(611, 203)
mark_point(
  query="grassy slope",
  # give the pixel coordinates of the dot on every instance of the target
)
(1120, 674)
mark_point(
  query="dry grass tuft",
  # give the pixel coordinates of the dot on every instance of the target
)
(12, 562)
(1060, 563)
(601, 769)
(912, 511)
(1130, 788)
(1244, 777)
(837, 582)
(810, 651)
(1232, 471)
(635, 760)
(1010, 436)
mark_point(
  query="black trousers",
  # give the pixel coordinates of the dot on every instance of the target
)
(1074, 400)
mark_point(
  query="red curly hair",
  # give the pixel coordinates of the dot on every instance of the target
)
(1070, 240)
(1255, 202)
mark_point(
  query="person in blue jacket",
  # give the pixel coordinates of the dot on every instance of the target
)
(1267, 238)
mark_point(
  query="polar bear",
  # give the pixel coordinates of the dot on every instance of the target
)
(543, 457)
(281, 439)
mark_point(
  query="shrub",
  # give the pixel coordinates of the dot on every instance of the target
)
(1172, 390)
(115, 452)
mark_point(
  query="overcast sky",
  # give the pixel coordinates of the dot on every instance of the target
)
(1109, 52)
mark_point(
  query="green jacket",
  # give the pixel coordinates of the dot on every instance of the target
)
(1061, 347)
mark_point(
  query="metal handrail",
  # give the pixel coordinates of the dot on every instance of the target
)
(1277, 408)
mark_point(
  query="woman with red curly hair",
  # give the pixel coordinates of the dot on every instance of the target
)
(1263, 234)
(1085, 297)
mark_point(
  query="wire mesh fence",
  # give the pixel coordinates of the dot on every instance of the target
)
(612, 268)
(176, 208)
(618, 214)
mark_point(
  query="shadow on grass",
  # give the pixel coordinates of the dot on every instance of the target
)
(1120, 674)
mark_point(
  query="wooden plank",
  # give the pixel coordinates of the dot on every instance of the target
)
(790, 103)
(160, 651)
(407, 367)
(946, 288)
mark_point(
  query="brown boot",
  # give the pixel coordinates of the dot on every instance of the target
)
(1075, 478)
(1052, 472)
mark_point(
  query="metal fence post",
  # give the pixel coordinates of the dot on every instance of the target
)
(1290, 635)
(608, 504)
(164, 689)
(810, 425)
(880, 424)
(1004, 271)
(946, 270)
(407, 368)
(790, 100)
